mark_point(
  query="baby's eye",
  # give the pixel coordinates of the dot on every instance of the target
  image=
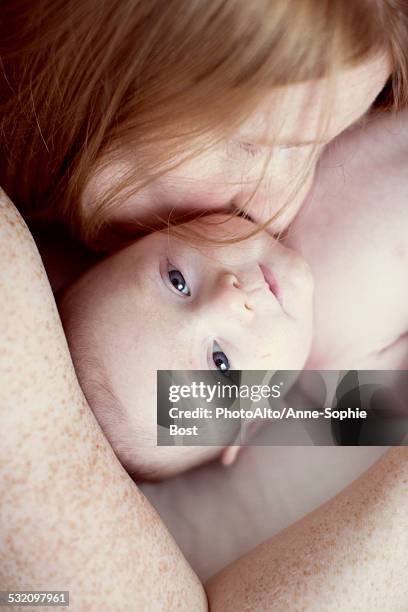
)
(220, 359)
(177, 280)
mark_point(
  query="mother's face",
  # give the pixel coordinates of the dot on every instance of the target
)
(286, 129)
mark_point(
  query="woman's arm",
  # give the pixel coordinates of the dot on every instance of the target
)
(349, 554)
(70, 517)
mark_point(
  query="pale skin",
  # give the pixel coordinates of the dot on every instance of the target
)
(341, 556)
(62, 465)
(70, 513)
(162, 303)
(220, 296)
(290, 128)
(349, 554)
(381, 493)
(358, 252)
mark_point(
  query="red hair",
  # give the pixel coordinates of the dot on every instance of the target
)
(83, 79)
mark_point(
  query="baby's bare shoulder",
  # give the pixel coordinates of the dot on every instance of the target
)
(361, 189)
(353, 232)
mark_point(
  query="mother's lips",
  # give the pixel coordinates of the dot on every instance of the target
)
(271, 282)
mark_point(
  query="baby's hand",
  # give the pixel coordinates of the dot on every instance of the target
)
(247, 432)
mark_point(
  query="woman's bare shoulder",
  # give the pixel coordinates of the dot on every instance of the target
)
(74, 518)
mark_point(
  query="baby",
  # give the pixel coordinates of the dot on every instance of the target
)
(165, 304)
(162, 303)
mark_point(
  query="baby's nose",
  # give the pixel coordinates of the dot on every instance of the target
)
(230, 296)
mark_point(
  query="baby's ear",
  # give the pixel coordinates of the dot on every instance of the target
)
(229, 455)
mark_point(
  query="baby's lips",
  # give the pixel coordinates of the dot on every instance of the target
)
(271, 281)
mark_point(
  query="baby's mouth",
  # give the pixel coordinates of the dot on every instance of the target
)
(271, 281)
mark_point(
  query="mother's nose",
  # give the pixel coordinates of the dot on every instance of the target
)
(229, 296)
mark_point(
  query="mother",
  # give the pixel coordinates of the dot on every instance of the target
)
(115, 116)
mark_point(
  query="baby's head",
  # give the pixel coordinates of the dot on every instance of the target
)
(163, 304)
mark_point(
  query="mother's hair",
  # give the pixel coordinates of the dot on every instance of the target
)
(81, 79)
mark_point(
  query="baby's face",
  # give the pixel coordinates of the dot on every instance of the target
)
(164, 304)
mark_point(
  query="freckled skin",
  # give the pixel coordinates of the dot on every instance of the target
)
(70, 516)
(349, 554)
